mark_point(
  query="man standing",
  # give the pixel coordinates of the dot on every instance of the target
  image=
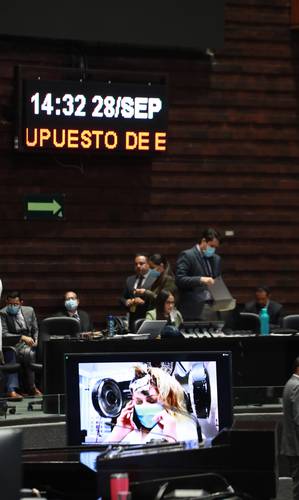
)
(20, 324)
(195, 270)
(71, 309)
(263, 299)
(136, 304)
(290, 432)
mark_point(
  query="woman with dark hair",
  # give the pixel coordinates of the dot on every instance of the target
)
(165, 278)
(165, 309)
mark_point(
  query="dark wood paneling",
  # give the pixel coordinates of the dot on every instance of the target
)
(233, 163)
(295, 14)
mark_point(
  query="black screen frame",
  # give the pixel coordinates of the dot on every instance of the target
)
(151, 85)
(72, 360)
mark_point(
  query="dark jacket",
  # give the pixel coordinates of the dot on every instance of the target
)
(85, 322)
(275, 311)
(190, 268)
(128, 293)
(9, 327)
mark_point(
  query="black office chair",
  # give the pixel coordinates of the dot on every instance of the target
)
(291, 322)
(52, 327)
(60, 326)
(249, 321)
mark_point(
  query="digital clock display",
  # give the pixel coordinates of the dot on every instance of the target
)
(97, 116)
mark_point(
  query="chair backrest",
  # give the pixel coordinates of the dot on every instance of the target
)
(60, 326)
(291, 321)
(249, 321)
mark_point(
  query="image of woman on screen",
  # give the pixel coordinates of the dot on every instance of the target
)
(156, 411)
(165, 309)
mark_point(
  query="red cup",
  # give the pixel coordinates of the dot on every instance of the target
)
(119, 482)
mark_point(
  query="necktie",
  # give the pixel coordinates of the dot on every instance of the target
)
(208, 267)
(139, 282)
(20, 322)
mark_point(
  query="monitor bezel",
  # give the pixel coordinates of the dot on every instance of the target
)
(72, 360)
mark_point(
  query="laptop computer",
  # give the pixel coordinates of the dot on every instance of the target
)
(152, 328)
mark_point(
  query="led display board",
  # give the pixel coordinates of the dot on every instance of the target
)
(92, 116)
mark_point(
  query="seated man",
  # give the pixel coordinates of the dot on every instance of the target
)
(262, 299)
(71, 309)
(19, 324)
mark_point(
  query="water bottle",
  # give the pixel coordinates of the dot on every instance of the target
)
(264, 322)
(110, 325)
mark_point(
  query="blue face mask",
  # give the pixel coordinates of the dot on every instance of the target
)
(155, 273)
(13, 309)
(209, 251)
(146, 414)
(71, 304)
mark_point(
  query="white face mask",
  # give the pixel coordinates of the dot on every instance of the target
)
(71, 304)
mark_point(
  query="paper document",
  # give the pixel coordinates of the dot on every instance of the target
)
(223, 300)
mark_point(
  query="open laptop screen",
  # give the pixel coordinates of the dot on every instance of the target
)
(153, 328)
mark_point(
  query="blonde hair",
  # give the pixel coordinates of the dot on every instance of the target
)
(170, 391)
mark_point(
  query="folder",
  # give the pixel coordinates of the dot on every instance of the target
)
(222, 298)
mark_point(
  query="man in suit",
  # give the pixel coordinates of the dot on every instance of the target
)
(262, 299)
(136, 304)
(19, 326)
(195, 270)
(290, 431)
(71, 309)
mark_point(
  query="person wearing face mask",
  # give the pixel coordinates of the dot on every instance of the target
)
(196, 269)
(71, 309)
(19, 324)
(157, 411)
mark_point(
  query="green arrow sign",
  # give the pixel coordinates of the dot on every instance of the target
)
(44, 206)
(35, 206)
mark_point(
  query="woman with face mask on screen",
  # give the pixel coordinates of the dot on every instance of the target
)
(156, 411)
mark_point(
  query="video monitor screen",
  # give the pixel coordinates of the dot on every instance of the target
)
(144, 398)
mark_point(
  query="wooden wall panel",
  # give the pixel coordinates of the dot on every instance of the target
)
(295, 14)
(232, 162)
